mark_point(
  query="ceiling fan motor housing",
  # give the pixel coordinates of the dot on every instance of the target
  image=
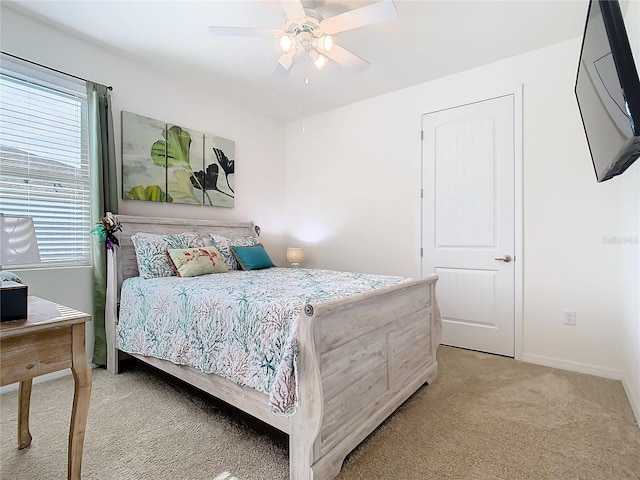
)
(308, 33)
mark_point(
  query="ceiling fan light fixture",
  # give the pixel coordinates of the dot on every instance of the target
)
(287, 42)
(319, 60)
(325, 43)
(286, 60)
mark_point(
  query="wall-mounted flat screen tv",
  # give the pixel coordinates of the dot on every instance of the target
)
(608, 91)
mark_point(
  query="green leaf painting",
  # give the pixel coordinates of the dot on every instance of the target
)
(173, 151)
(167, 163)
(181, 188)
(152, 192)
(138, 168)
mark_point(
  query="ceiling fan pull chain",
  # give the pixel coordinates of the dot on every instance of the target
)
(305, 83)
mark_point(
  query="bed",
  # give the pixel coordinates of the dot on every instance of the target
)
(357, 358)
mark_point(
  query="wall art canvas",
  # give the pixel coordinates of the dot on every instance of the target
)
(197, 168)
(142, 178)
(185, 156)
(219, 172)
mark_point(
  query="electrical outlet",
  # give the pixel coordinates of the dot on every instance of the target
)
(569, 317)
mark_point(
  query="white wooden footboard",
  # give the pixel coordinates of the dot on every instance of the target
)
(360, 359)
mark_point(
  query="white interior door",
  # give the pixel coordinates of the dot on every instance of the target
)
(468, 221)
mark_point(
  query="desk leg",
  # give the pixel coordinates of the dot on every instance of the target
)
(82, 393)
(24, 403)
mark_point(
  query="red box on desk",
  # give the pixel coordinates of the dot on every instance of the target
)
(13, 301)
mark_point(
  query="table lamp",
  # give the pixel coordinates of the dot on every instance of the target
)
(18, 246)
(295, 256)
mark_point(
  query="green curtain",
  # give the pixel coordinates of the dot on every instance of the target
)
(104, 198)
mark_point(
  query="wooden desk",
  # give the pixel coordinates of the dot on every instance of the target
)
(52, 338)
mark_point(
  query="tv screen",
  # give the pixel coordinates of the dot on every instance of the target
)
(608, 91)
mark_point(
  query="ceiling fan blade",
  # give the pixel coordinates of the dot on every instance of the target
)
(245, 32)
(346, 58)
(293, 9)
(374, 13)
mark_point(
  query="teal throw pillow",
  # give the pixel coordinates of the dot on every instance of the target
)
(253, 257)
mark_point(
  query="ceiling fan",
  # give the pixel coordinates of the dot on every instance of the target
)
(308, 33)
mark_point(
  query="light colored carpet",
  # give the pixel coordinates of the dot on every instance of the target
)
(486, 417)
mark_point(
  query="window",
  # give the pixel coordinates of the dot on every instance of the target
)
(44, 165)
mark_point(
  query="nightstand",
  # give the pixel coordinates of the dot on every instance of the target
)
(52, 338)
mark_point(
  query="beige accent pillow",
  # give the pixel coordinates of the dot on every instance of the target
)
(192, 262)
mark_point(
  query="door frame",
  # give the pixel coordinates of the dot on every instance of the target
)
(517, 93)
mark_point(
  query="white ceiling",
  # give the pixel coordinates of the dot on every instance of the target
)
(428, 39)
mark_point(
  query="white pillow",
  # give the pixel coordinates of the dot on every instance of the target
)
(224, 243)
(151, 251)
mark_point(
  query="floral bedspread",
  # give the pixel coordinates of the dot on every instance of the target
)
(240, 325)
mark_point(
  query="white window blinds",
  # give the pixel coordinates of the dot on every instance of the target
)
(44, 165)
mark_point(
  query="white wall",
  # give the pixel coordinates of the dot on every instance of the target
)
(353, 200)
(259, 140)
(630, 252)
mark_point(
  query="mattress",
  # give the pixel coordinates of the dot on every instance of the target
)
(240, 325)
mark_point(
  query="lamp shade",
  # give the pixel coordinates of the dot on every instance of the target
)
(18, 244)
(295, 255)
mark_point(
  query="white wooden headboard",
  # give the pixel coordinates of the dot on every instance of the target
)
(127, 266)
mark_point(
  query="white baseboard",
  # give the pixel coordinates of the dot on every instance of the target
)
(572, 366)
(42, 378)
(633, 400)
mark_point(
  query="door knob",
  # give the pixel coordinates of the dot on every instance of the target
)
(505, 259)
